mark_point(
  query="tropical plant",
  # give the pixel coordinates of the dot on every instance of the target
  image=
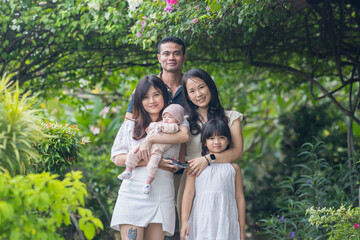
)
(60, 150)
(36, 206)
(19, 128)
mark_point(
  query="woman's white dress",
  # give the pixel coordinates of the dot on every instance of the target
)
(132, 205)
(214, 213)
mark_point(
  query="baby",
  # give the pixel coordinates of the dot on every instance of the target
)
(172, 116)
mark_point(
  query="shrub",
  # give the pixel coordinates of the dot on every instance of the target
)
(341, 223)
(314, 182)
(19, 129)
(60, 150)
(37, 205)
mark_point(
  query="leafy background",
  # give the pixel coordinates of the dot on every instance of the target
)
(291, 66)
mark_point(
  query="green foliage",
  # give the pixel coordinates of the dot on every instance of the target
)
(341, 223)
(19, 128)
(60, 150)
(314, 184)
(37, 205)
(45, 41)
(100, 177)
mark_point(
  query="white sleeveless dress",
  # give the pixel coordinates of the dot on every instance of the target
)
(214, 214)
(132, 205)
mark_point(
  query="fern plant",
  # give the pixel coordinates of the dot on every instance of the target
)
(19, 128)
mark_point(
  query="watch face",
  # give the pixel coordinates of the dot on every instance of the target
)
(212, 156)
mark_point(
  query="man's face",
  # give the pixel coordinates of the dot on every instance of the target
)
(171, 57)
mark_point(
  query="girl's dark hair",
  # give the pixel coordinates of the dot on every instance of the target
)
(215, 111)
(142, 118)
(214, 127)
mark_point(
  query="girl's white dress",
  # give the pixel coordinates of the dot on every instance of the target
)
(214, 214)
(132, 205)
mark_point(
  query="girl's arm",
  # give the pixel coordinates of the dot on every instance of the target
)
(181, 136)
(197, 165)
(240, 199)
(186, 205)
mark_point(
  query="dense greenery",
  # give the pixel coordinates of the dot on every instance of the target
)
(38, 205)
(291, 66)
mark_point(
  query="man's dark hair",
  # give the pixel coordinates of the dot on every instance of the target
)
(174, 40)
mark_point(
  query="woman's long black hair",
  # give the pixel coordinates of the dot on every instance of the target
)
(215, 111)
(211, 128)
(142, 118)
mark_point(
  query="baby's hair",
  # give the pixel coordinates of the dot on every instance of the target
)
(214, 127)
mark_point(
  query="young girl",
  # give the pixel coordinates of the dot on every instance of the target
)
(218, 209)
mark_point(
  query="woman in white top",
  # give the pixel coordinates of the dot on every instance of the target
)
(203, 104)
(136, 215)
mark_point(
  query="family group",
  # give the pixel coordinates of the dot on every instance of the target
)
(179, 145)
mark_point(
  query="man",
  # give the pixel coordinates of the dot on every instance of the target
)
(171, 56)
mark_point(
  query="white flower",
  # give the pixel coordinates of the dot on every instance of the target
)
(133, 4)
(107, 15)
(83, 82)
(94, 4)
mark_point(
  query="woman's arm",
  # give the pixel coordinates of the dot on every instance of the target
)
(240, 199)
(163, 164)
(186, 205)
(197, 165)
(121, 158)
(182, 152)
(181, 136)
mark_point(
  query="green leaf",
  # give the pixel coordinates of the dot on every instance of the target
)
(89, 230)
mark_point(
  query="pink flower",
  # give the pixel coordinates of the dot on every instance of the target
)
(142, 23)
(168, 8)
(144, 17)
(171, 2)
(104, 111)
(197, 7)
(356, 225)
(94, 130)
(208, 8)
(195, 20)
(138, 35)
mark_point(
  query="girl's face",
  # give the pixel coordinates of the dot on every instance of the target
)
(153, 102)
(199, 93)
(216, 144)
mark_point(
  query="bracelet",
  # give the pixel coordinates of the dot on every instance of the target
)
(207, 160)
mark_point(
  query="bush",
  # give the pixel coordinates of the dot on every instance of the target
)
(60, 150)
(19, 129)
(314, 183)
(37, 205)
(341, 223)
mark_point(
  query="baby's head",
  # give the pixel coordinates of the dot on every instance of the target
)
(174, 113)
